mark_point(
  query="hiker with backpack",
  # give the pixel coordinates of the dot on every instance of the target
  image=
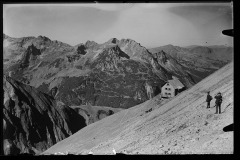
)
(208, 100)
(218, 102)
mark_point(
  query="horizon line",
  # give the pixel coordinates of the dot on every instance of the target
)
(184, 46)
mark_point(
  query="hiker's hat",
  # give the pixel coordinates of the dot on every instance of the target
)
(219, 92)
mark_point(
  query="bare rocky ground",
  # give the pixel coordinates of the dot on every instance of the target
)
(94, 113)
(181, 125)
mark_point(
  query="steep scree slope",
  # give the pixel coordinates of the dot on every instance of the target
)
(181, 125)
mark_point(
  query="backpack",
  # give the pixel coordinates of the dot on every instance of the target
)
(219, 100)
(209, 98)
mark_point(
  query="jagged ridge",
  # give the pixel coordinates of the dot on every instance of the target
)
(34, 121)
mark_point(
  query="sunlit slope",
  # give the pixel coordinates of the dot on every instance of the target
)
(181, 125)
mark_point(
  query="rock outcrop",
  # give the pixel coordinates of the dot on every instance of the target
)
(91, 45)
(29, 56)
(34, 121)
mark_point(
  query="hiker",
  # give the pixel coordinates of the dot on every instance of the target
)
(208, 100)
(218, 102)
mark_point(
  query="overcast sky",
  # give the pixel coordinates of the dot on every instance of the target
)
(151, 24)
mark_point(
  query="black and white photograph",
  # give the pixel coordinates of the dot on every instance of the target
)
(118, 78)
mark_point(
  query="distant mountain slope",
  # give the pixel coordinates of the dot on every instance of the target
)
(112, 74)
(219, 53)
(198, 61)
(114, 80)
(181, 125)
(173, 66)
(34, 121)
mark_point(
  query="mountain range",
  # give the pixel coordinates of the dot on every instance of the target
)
(91, 80)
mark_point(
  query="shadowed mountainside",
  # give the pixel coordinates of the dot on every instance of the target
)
(34, 121)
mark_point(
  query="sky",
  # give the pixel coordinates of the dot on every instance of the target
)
(150, 24)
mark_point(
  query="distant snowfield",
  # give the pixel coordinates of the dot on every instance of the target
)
(181, 125)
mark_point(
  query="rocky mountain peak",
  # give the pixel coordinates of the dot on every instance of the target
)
(80, 44)
(116, 51)
(109, 58)
(26, 39)
(57, 42)
(113, 40)
(128, 41)
(90, 44)
(43, 38)
(131, 41)
(134, 49)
